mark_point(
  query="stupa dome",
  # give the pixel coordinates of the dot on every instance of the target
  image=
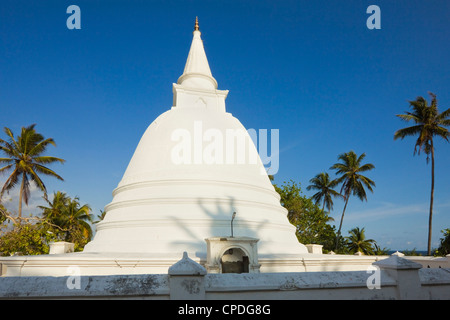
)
(194, 166)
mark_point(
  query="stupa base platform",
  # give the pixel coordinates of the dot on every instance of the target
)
(91, 263)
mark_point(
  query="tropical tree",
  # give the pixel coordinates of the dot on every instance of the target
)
(25, 238)
(291, 199)
(100, 216)
(325, 194)
(428, 123)
(55, 210)
(377, 250)
(353, 182)
(70, 220)
(444, 247)
(310, 221)
(76, 221)
(26, 160)
(357, 242)
(3, 214)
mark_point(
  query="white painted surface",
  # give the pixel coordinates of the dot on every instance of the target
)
(162, 207)
(397, 279)
(61, 247)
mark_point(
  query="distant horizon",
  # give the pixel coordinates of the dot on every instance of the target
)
(420, 252)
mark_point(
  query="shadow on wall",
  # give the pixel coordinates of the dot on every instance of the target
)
(219, 213)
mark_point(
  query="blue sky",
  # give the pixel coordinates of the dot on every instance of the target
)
(311, 69)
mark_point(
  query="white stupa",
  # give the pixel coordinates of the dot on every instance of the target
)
(188, 175)
(186, 179)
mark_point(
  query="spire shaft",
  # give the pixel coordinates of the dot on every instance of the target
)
(196, 71)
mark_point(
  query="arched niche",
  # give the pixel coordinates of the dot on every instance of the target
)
(232, 255)
(234, 260)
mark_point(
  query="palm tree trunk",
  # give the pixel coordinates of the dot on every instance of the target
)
(21, 196)
(431, 200)
(340, 224)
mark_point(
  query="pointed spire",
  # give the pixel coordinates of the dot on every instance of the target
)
(196, 28)
(197, 73)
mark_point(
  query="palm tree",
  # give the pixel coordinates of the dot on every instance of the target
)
(56, 206)
(25, 159)
(353, 182)
(101, 216)
(357, 241)
(77, 218)
(322, 183)
(428, 123)
(71, 219)
(377, 250)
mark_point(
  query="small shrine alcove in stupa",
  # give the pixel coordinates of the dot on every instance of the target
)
(232, 255)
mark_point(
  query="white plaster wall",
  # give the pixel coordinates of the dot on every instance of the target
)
(434, 284)
(162, 207)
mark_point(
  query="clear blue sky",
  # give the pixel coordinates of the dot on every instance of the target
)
(311, 69)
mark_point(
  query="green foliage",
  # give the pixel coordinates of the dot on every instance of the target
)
(291, 199)
(380, 251)
(350, 169)
(65, 219)
(25, 239)
(412, 252)
(3, 213)
(312, 224)
(25, 160)
(444, 247)
(353, 182)
(357, 242)
(324, 186)
(310, 221)
(68, 219)
(101, 216)
(428, 123)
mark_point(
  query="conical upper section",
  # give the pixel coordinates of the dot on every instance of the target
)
(197, 73)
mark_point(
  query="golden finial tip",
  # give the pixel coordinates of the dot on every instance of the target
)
(196, 28)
